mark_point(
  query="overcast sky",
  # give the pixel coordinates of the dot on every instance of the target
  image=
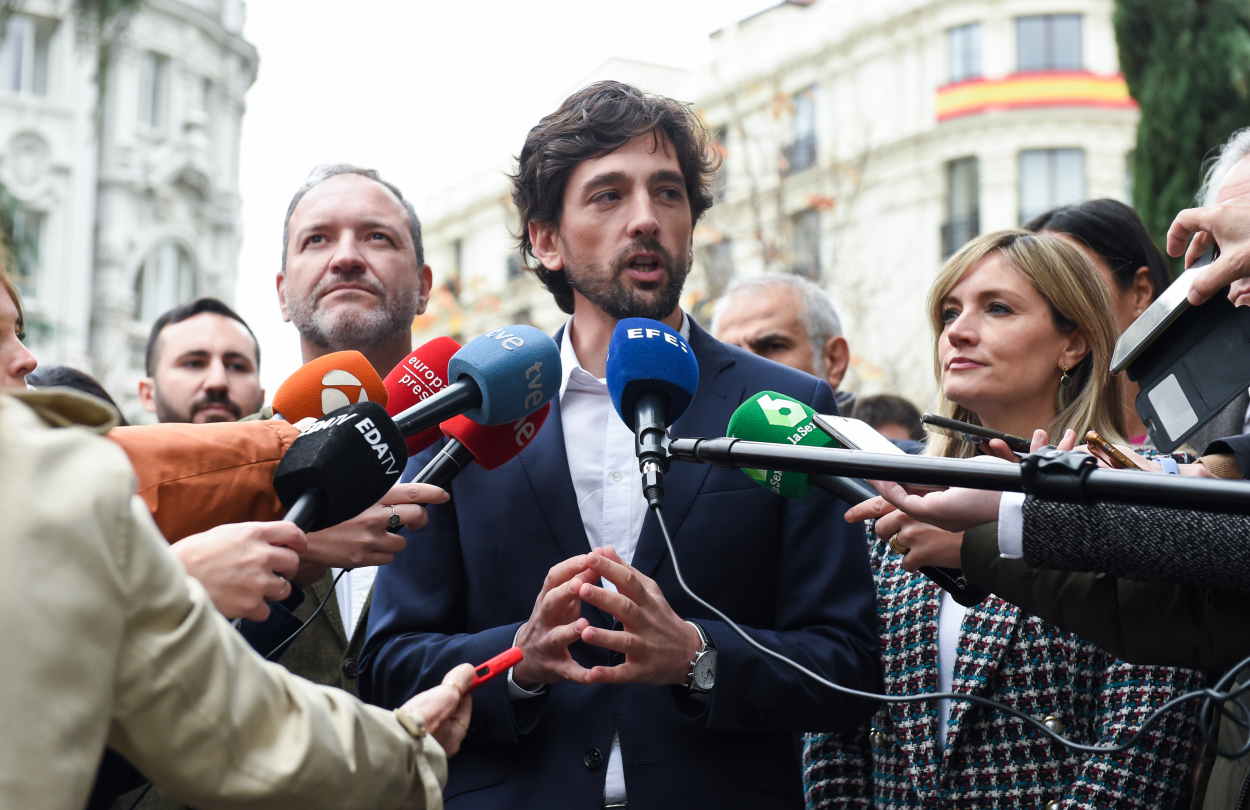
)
(428, 93)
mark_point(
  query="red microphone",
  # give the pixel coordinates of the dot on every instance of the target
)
(420, 375)
(488, 445)
(328, 383)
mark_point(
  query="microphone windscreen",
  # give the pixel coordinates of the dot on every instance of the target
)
(327, 383)
(517, 369)
(420, 375)
(647, 357)
(351, 457)
(772, 417)
(494, 445)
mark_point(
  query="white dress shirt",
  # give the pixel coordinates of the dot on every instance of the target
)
(608, 486)
(351, 592)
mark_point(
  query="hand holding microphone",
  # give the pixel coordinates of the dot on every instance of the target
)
(243, 566)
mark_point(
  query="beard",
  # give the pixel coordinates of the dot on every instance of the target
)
(166, 412)
(655, 300)
(354, 327)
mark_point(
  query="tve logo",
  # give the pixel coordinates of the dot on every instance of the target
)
(339, 389)
(781, 412)
(641, 333)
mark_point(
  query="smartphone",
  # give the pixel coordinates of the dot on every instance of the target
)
(1109, 452)
(498, 665)
(976, 433)
(855, 434)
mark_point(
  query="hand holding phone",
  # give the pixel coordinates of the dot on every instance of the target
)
(1108, 453)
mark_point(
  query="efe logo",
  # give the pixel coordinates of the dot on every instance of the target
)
(340, 389)
(781, 412)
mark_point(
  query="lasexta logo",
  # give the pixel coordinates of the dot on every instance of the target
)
(781, 412)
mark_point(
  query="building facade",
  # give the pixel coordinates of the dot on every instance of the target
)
(862, 144)
(125, 178)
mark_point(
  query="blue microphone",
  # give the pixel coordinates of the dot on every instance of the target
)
(652, 376)
(499, 377)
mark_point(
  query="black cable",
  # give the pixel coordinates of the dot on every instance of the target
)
(286, 642)
(1212, 696)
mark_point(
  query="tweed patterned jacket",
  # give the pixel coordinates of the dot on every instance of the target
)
(992, 759)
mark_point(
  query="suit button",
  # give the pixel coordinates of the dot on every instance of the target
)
(593, 759)
(349, 667)
(1053, 723)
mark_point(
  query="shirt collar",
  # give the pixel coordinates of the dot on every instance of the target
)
(583, 380)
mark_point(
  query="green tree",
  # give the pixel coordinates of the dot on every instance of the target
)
(1187, 63)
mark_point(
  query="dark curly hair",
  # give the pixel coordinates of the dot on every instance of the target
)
(590, 123)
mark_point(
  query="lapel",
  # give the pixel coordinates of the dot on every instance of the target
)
(986, 634)
(706, 416)
(330, 613)
(546, 465)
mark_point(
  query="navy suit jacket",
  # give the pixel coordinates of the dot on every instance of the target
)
(793, 572)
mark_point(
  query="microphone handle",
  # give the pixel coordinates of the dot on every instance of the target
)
(303, 512)
(462, 395)
(952, 580)
(450, 459)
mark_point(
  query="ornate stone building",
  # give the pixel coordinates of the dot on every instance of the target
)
(862, 143)
(128, 201)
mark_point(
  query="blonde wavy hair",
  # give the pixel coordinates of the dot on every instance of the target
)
(1078, 301)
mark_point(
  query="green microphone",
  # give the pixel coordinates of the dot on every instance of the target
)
(776, 418)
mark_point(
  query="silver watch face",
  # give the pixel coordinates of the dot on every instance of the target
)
(705, 672)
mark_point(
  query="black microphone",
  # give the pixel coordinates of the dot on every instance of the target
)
(339, 466)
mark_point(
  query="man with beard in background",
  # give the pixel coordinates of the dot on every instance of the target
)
(203, 365)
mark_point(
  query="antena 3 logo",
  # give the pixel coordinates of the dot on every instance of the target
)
(339, 389)
(639, 333)
(421, 379)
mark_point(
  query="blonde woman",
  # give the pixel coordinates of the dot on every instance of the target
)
(16, 361)
(1023, 339)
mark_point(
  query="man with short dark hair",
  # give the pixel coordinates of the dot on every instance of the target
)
(203, 365)
(554, 551)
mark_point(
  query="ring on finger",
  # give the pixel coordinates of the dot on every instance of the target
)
(394, 524)
(896, 543)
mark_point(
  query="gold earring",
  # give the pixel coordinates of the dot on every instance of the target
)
(1063, 376)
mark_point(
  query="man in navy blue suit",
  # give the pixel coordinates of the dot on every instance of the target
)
(630, 692)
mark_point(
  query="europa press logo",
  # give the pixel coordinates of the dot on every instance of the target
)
(339, 389)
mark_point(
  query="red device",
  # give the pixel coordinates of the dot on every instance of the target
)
(496, 666)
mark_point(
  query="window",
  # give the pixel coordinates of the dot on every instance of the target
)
(963, 209)
(964, 46)
(805, 244)
(153, 81)
(800, 153)
(1048, 42)
(720, 183)
(165, 279)
(1048, 178)
(28, 227)
(24, 54)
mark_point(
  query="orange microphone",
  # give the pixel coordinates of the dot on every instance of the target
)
(328, 383)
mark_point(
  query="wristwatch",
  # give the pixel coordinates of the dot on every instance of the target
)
(702, 676)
